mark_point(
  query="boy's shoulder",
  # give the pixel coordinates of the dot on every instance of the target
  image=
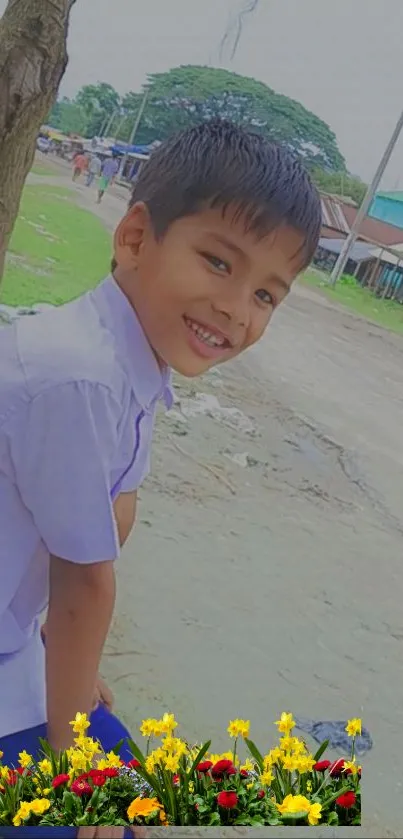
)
(63, 345)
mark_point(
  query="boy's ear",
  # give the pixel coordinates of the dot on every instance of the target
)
(130, 235)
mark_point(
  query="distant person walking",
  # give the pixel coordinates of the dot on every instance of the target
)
(94, 169)
(80, 165)
(108, 175)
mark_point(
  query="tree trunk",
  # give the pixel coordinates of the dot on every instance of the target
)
(33, 58)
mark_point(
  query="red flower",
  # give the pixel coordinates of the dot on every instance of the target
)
(347, 800)
(228, 800)
(204, 766)
(261, 794)
(81, 788)
(12, 777)
(59, 780)
(175, 779)
(244, 773)
(337, 768)
(110, 772)
(133, 764)
(223, 767)
(322, 766)
(98, 779)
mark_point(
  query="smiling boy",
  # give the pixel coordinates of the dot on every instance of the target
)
(220, 224)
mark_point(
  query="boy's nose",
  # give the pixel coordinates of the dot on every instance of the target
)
(234, 308)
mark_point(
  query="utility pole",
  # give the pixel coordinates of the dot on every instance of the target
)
(362, 212)
(136, 125)
(109, 123)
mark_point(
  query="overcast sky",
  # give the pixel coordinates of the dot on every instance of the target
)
(343, 59)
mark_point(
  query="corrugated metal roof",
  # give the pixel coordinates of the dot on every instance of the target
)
(340, 216)
(359, 251)
(396, 195)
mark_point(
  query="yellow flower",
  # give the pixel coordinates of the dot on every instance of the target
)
(174, 744)
(315, 813)
(353, 727)
(294, 804)
(4, 772)
(168, 723)
(110, 761)
(45, 766)
(248, 766)
(155, 759)
(309, 786)
(239, 728)
(352, 766)
(22, 814)
(171, 763)
(266, 779)
(1, 754)
(78, 760)
(286, 723)
(191, 786)
(290, 763)
(80, 724)
(143, 807)
(305, 763)
(39, 806)
(152, 727)
(273, 757)
(24, 759)
(250, 786)
(88, 744)
(47, 791)
(286, 743)
(298, 746)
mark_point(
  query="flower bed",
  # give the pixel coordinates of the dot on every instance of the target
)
(172, 783)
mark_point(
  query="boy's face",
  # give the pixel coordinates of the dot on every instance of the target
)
(206, 290)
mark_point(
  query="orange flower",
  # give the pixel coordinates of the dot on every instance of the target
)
(143, 807)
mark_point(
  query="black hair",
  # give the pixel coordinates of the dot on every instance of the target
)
(218, 164)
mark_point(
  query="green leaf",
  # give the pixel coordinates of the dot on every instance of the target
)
(333, 818)
(321, 750)
(204, 749)
(137, 753)
(117, 748)
(255, 753)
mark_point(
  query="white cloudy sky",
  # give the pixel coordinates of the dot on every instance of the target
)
(343, 59)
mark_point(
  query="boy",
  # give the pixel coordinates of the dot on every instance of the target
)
(220, 224)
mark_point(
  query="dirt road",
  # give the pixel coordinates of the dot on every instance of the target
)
(265, 570)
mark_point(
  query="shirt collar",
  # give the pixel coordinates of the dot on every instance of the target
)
(148, 381)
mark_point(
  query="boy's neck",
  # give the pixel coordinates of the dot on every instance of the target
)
(125, 283)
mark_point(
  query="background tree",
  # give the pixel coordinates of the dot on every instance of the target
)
(68, 117)
(187, 95)
(33, 58)
(340, 183)
(99, 102)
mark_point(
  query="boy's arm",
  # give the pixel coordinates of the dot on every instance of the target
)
(80, 611)
(64, 581)
(64, 446)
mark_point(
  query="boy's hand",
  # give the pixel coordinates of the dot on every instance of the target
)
(103, 695)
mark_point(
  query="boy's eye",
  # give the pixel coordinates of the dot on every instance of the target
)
(265, 297)
(217, 263)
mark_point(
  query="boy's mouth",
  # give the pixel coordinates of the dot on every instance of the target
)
(206, 340)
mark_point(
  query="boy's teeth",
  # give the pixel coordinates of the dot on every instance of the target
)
(205, 336)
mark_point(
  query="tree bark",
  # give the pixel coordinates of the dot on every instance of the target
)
(33, 58)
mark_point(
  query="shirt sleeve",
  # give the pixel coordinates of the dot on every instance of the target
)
(63, 448)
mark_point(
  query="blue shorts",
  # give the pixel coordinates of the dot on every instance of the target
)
(104, 727)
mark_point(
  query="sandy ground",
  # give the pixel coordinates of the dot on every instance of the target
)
(273, 581)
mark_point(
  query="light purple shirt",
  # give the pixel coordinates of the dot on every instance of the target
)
(79, 386)
(110, 168)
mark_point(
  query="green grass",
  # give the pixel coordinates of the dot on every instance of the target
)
(66, 254)
(349, 293)
(43, 169)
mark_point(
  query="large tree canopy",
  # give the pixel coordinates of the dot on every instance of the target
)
(186, 95)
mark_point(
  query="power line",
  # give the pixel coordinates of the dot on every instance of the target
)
(232, 35)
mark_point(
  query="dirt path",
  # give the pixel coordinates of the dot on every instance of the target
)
(265, 569)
